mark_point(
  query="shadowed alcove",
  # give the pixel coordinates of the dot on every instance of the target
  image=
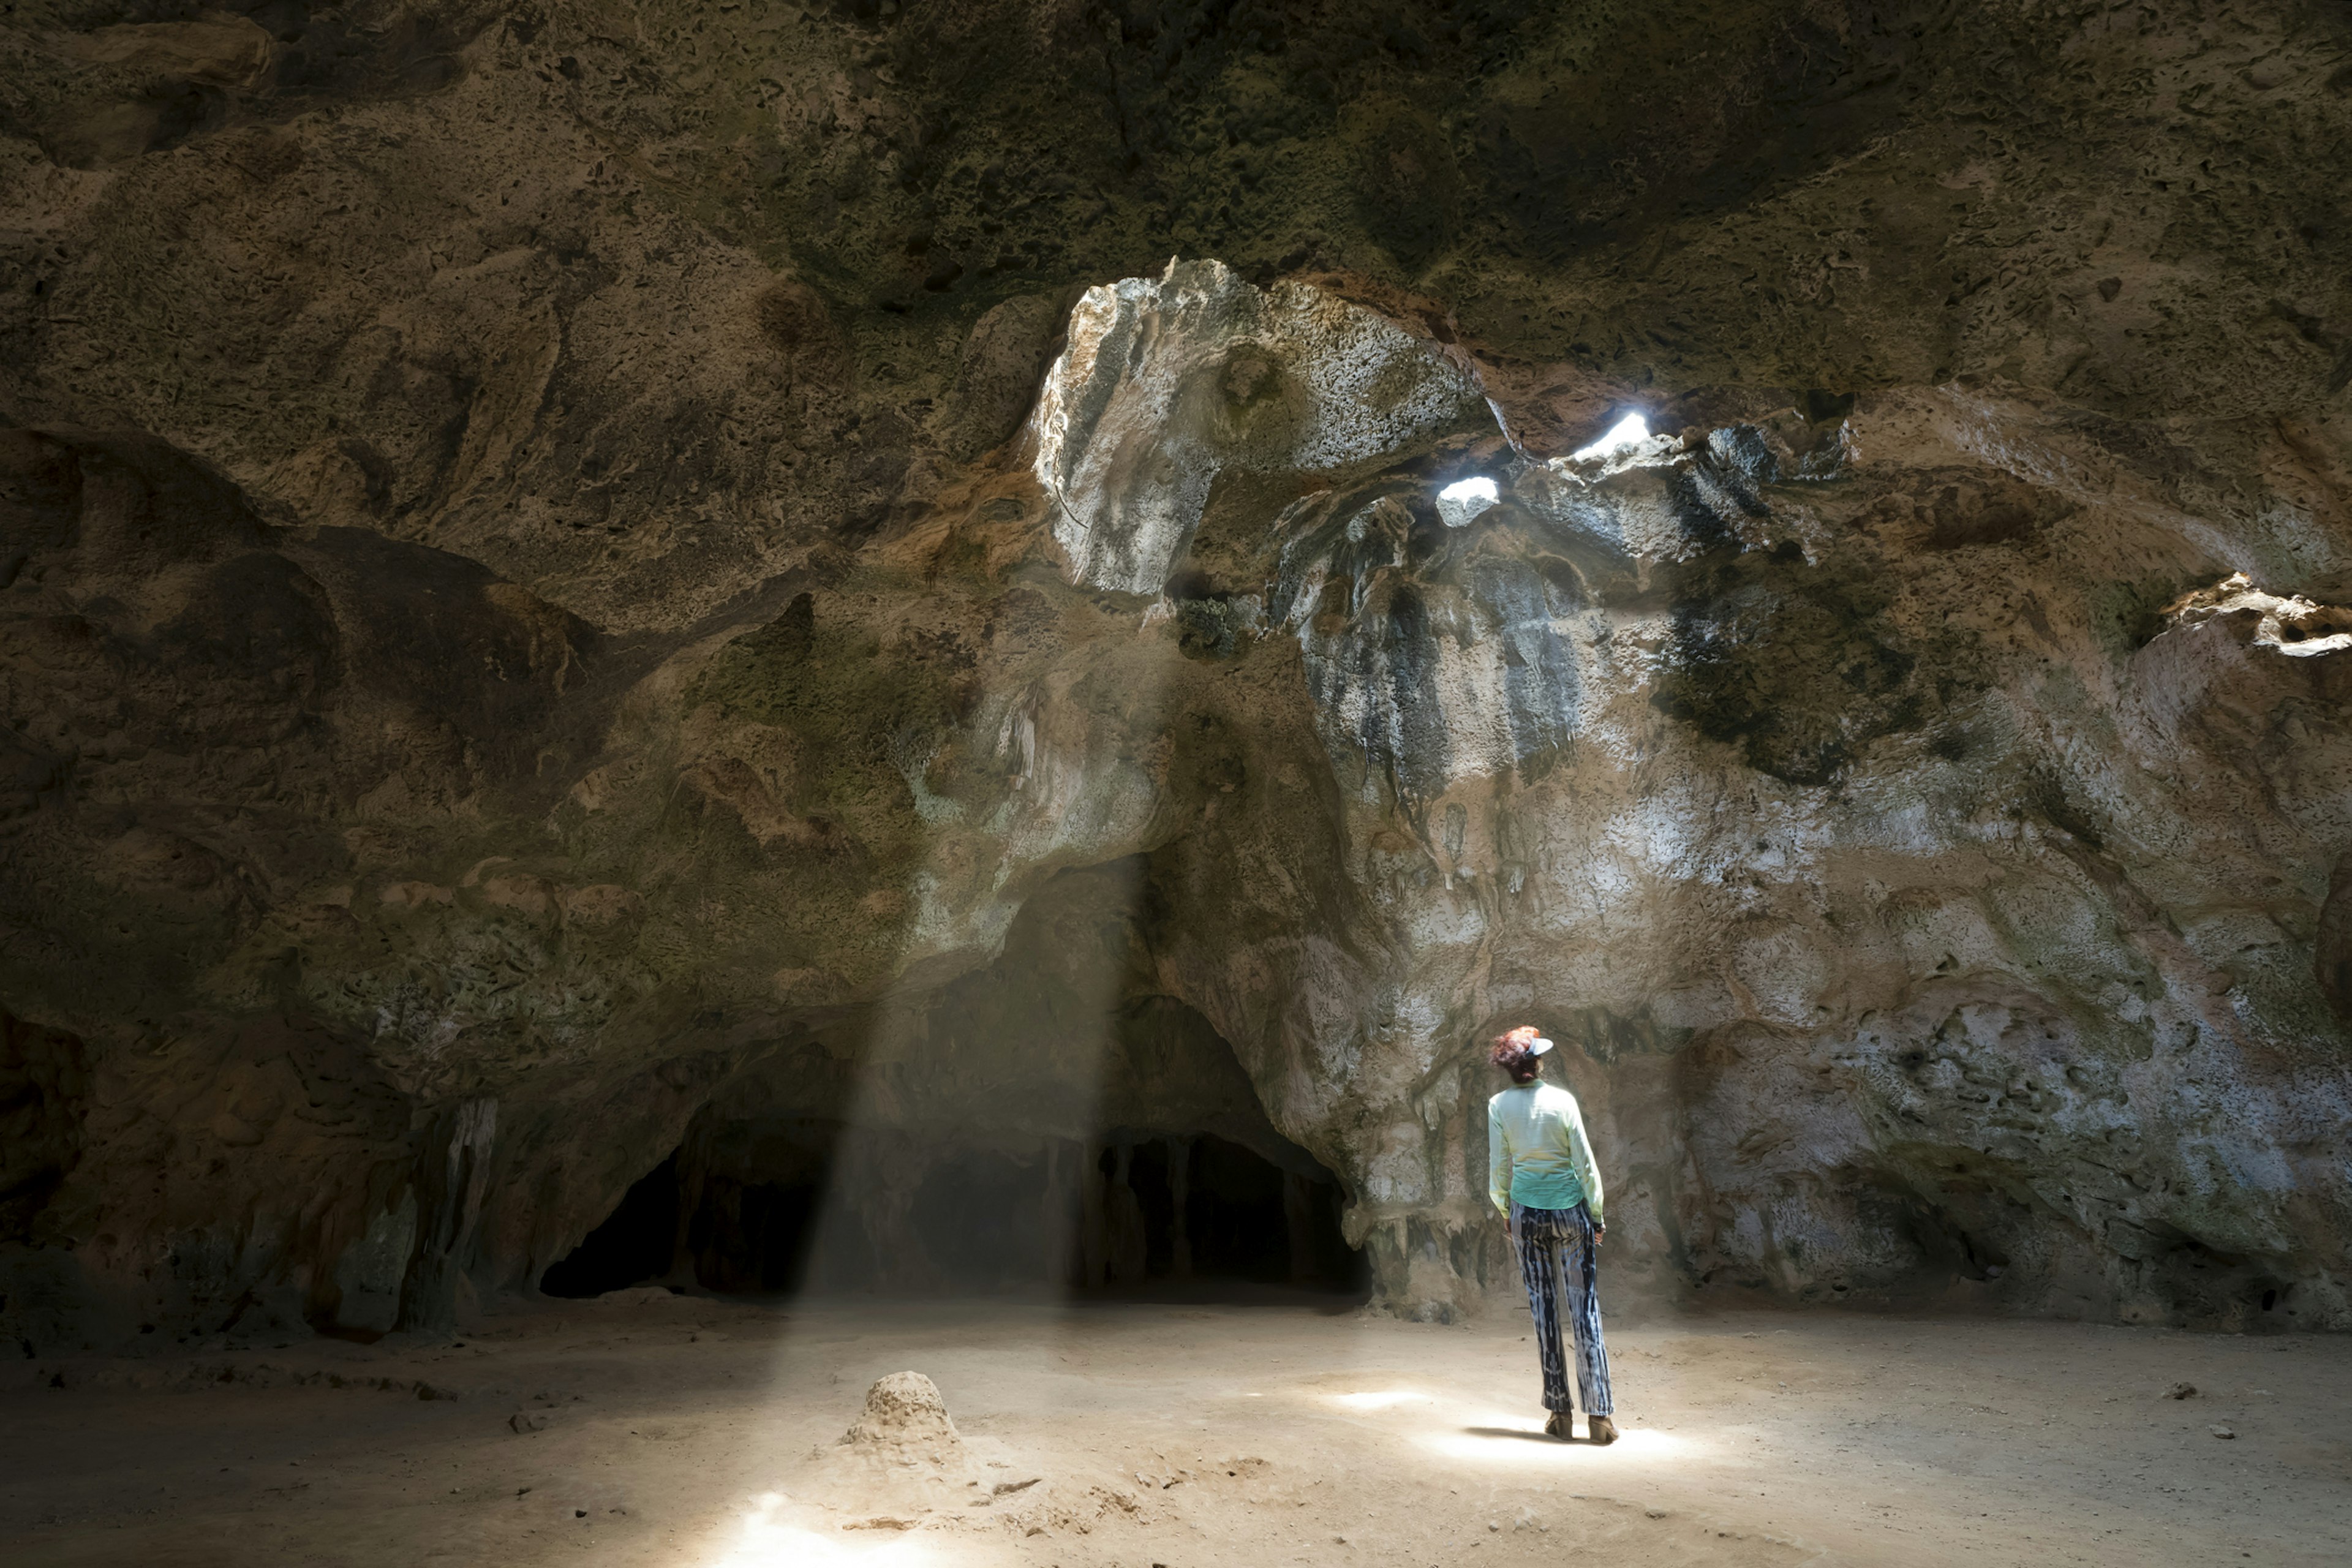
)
(1024, 1131)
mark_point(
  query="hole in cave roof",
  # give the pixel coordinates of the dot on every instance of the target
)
(1630, 431)
(1464, 499)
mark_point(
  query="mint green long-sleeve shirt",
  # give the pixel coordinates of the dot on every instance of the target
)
(1537, 1154)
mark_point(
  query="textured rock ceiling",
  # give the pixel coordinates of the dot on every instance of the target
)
(574, 578)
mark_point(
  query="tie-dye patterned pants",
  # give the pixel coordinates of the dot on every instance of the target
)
(1553, 1241)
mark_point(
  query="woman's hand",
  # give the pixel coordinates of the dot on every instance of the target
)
(1600, 1234)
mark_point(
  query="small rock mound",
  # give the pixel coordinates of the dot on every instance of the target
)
(904, 1411)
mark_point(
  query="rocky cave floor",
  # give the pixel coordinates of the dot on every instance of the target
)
(645, 1427)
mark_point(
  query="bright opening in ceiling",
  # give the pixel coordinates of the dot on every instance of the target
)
(1630, 431)
(1462, 499)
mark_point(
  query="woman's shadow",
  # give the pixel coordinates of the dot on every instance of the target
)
(1523, 1435)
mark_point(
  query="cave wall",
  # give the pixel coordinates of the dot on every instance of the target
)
(568, 574)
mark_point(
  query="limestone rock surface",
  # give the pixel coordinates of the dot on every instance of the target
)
(597, 591)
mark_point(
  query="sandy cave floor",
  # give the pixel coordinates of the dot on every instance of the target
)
(679, 1430)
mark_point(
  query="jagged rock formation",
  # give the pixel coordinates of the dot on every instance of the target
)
(582, 584)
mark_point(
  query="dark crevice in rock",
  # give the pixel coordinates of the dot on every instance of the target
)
(637, 1242)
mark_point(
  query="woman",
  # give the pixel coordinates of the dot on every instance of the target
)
(1541, 1173)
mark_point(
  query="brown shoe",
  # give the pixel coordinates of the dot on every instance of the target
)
(1558, 1424)
(1604, 1430)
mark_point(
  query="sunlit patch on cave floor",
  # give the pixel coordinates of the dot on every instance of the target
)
(1490, 1437)
(1381, 1399)
(1484, 1435)
(764, 1540)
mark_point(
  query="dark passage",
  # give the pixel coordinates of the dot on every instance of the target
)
(987, 1220)
(753, 1237)
(737, 1209)
(1201, 1207)
(634, 1244)
(734, 1208)
(752, 1192)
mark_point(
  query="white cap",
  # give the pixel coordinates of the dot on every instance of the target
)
(1539, 1046)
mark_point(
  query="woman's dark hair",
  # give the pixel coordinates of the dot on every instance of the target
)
(1515, 1053)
